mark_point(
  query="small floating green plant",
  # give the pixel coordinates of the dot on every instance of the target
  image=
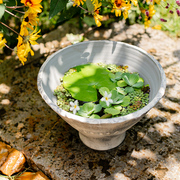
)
(101, 91)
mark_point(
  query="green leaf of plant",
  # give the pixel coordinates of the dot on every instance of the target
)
(112, 77)
(112, 111)
(97, 108)
(138, 85)
(118, 107)
(90, 6)
(2, 10)
(121, 83)
(130, 79)
(103, 104)
(84, 83)
(56, 6)
(82, 113)
(116, 97)
(129, 89)
(67, 14)
(89, 21)
(94, 116)
(121, 90)
(102, 90)
(126, 101)
(86, 110)
(118, 75)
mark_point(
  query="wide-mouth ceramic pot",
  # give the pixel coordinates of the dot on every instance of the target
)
(101, 134)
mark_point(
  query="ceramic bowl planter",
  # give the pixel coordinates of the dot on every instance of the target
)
(101, 134)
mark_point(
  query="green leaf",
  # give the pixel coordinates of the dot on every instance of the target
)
(89, 21)
(118, 75)
(67, 14)
(126, 101)
(112, 77)
(130, 79)
(90, 6)
(56, 6)
(121, 90)
(115, 77)
(118, 107)
(102, 90)
(103, 104)
(129, 89)
(82, 113)
(2, 10)
(112, 111)
(87, 109)
(140, 83)
(94, 116)
(83, 83)
(121, 83)
(97, 108)
(116, 97)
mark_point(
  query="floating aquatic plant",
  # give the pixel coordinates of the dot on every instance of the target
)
(101, 91)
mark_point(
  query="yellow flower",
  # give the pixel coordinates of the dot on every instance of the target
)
(151, 10)
(2, 41)
(121, 5)
(78, 2)
(1, 1)
(147, 22)
(157, 1)
(158, 27)
(22, 50)
(33, 37)
(34, 5)
(29, 20)
(24, 45)
(125, 14)
(134, 2)
(98, 18)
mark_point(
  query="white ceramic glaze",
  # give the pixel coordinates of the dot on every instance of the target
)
(101, 134)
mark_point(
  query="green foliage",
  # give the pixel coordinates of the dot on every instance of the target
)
(2, 10)
(56, 6)
(83, 83)
(88, 109)
(96, 88)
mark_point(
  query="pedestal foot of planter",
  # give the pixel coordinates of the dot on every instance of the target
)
(103, 143)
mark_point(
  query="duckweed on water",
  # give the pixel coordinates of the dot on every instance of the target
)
(101, 91)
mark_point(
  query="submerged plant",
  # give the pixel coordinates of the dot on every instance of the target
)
(101, 91)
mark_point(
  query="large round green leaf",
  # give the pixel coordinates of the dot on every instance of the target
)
(83, 83)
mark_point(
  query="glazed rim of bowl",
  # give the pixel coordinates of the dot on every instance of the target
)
(135, 115)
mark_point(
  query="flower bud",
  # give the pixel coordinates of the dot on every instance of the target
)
(163, 20)
(147, 13)
(167, 6)
(178, 11)
(171, 12)
(178, 2)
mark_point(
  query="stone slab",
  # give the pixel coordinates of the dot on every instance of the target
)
(151, 149)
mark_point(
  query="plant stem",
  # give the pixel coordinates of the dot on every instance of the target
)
(9, 28)
(9, 47)
(12, 14)
(14, 7)
(81, 7)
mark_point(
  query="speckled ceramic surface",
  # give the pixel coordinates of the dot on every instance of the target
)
(101, 134)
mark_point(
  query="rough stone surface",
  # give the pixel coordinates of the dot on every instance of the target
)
(151, 149)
